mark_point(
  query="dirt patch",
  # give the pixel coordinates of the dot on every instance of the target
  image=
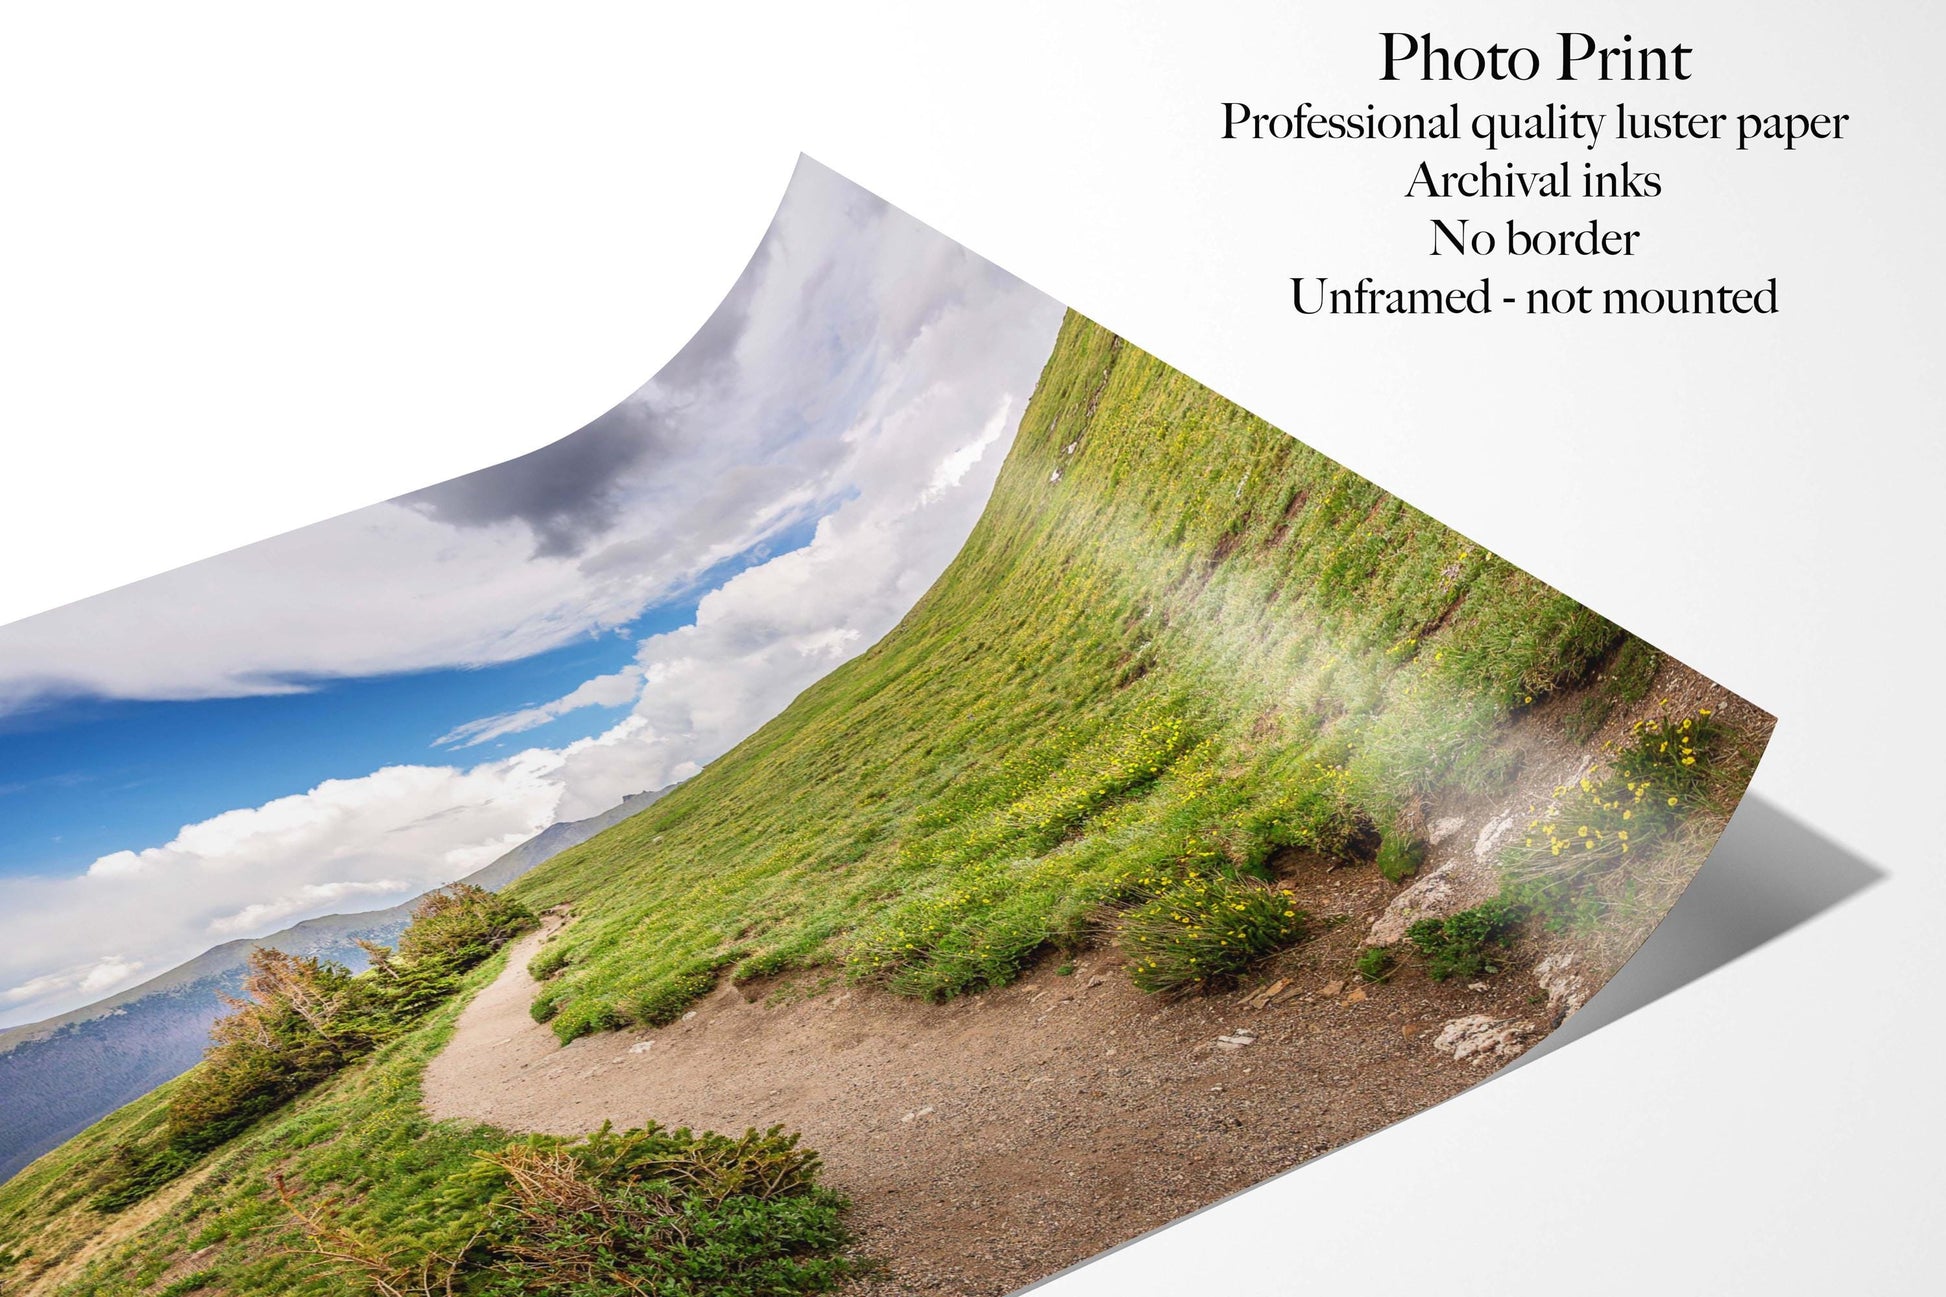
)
(993, 1140)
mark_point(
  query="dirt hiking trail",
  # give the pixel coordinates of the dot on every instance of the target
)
(991, 1141)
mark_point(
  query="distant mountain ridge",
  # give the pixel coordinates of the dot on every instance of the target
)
(60, 1075)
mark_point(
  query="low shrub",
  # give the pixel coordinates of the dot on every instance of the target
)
(666, 1212)
(1625, 680)
(978, 930)
(1465, 944)
(1319, 813)
(573, 1019)
(1400, 857)
(672, 997)
(462, 922)
(1200, 928)
(1374, 963)
(650, 1211)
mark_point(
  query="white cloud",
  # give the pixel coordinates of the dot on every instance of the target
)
(614, 690)
(953, 349)
(259, 915)
(347, 844)
(103, 976)
(952, 470)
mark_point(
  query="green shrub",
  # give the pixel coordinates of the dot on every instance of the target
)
(1400, 856)
(672, 997)
(463, 922)
(1201, 928)
(650, 1211)
(573, 1019)
(1625, 680)
(1374, 963)
(138, 1171)
(1319, 813)
(665, 1212)
(1464, 944)
(979, 930)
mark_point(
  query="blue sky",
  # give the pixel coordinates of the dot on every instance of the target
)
(342, 716)
(83, 777)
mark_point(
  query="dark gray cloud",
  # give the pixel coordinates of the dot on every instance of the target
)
(708, 360)
(572, 492)
(569, 492)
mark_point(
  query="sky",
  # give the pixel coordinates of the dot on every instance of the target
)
(342, 716)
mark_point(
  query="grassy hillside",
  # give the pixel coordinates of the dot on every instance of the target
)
(1177, 644)
(1175, 632)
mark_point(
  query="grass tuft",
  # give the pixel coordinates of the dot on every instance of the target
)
(1200, 929)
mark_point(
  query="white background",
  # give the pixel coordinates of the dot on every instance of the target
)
(257, 268)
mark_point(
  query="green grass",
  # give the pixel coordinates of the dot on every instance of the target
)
(1202, 648)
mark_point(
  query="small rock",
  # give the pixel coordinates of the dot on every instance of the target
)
(915, 1115)
(1446, 828)
(1095, 981)
(1332, 988)
(1262, 996)
(1236, 1040)
(687, 1016)
(1566, 991)
(641, 1047)
(1486, 847)
(1446, 890)
(1476, 986)
(1481, 1039)
(1357, 995)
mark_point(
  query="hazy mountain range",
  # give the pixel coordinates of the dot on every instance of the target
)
(60, 1075)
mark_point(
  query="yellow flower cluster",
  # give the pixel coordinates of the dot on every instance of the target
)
(1199, 926)
(1634, 799)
